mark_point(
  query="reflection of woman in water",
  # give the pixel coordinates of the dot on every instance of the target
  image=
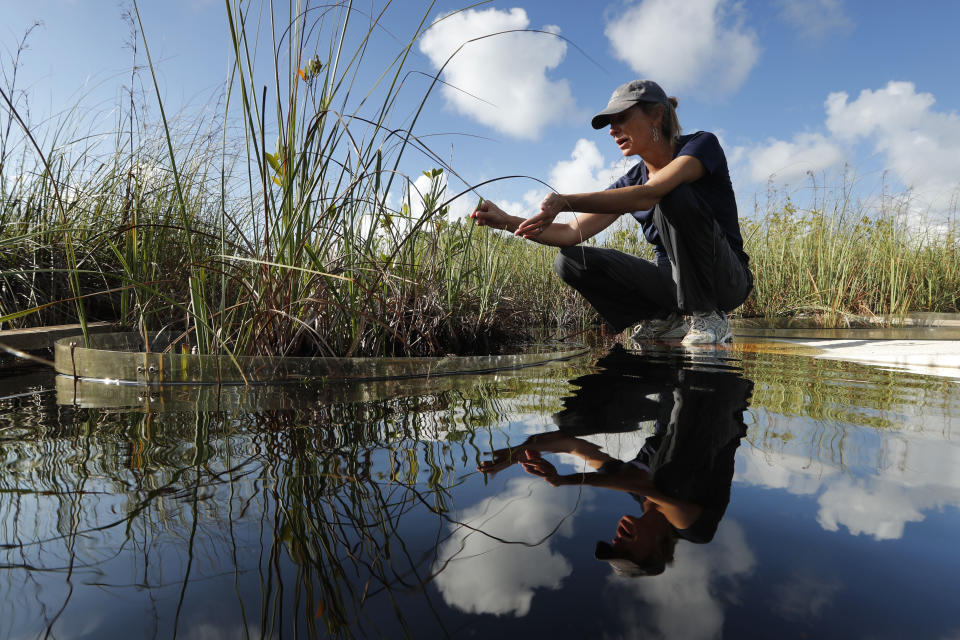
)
(681, 476)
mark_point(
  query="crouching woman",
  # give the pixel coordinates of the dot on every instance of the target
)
(680, 193)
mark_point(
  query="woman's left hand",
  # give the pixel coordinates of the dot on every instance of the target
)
(552, 205)
(535, 465)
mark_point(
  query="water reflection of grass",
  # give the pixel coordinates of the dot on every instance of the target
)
(820, 408)
(310, 520)
(328, 520)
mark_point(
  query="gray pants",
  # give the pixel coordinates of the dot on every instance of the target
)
(703, 272)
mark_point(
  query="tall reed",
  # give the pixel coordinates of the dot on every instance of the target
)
(314, 260)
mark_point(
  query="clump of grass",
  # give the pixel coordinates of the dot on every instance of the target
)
(314, 259)
(99, 230)
(332, 267)
(841, 262)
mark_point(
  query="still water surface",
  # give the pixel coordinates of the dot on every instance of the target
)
(821, 500)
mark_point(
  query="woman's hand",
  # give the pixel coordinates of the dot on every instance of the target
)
(535, 465)
(488, 214)
(502, 458)
(552, 205)
(552, 441)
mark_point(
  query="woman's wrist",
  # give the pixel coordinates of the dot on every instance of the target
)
(511, 223)
(576, 478)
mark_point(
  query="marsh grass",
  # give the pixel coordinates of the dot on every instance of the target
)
(313, 260)
(328, 266)
(841, 262)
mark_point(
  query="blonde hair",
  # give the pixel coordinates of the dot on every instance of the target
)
(669, 124)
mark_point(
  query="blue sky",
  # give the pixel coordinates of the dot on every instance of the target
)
(790, 87)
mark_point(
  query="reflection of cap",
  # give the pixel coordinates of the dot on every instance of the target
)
(625, 566)
(627, 95)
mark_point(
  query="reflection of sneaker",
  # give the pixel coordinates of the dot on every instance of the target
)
(708, 328)
(673, 326)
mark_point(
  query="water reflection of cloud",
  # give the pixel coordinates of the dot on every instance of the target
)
(87, 624)
(484, 575)
(876, 508)
(686, 601)
(912, 472)
(798, 475)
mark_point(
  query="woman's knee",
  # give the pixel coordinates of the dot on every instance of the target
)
(571, 263)
(564, 266)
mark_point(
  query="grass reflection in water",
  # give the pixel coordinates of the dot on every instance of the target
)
(305, 516)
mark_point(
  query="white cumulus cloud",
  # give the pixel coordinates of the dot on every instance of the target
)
(500, 81)
(784, 161)
(694, 45)
(918, 143)
(479, 574)
(586, 170)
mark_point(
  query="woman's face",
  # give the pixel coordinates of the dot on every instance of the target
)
(632, 130)
(636, 537)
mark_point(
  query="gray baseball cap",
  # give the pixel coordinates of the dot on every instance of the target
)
(626, 96)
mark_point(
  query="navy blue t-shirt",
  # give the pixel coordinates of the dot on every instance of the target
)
(714, 188)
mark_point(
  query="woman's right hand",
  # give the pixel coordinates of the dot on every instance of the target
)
(488, 214)
(502, 458)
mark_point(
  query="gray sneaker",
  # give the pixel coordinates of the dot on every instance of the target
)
(673, 326)
(708, 328)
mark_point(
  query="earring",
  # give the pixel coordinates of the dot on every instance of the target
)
(656, 135)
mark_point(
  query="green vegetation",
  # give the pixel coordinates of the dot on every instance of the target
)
(840, 260)
(192, 229)
(200, 229)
